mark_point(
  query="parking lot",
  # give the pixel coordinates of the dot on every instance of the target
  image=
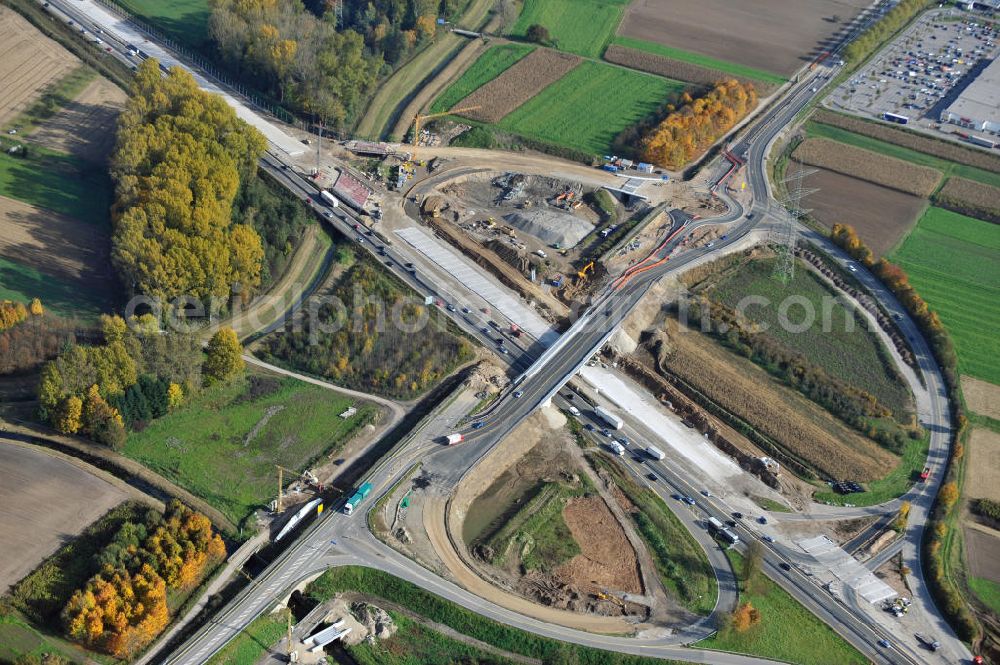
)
(921, 72)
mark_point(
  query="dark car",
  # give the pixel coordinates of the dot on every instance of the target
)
(762, 519)
(738, 515)
(784, 566)
(638, 459)
(676, 497)
(589, 427)
(478, 425)
(731, 523)
(651, 476)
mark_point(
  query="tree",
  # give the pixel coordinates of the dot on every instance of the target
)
(175, 396)
(752, 561)
(103, 421)
(538, 33)
(68, 416)
(949, 495)
(224, 357)
(36, 308)
(745, 617)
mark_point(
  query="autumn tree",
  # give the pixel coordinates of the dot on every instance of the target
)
(175, 396)
(68, 417)
(745, 617)
(102, 421)
(36, 307)
(948, 495)
(12, 313)
(224, 356)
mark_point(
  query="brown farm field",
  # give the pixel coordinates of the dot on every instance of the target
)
(774, 35)
(881, 216)
(29, 63)
(606, 558)
(46, 502)
(984, 465)
(675, 69)
(981, 547)
(974, 199)
(802, 428)
(982, 397)
(525, 79)
(86, 126)
(867, 165)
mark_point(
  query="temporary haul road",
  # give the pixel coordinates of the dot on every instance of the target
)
(336, 539)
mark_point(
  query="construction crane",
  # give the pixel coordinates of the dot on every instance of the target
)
(307, 475)
(417, 119)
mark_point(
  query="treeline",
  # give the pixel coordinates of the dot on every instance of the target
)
(376, 341)
(180, 159)
(883, 29)
(940, 526)
(279, 219)
(33, 341)
(136, 374)
(987, 508)
(857, 408)
(123, 607)
(300, 55)
(690, 130)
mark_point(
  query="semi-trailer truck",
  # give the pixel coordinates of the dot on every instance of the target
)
(655, 452)
(455, 438)
(357, 498)
(714, 524)
(330, 199)
(729, 536)
(611, 419)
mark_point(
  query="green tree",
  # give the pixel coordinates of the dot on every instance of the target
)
(224, 358)
(538, 34)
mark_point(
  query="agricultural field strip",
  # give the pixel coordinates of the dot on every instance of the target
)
(517, 84)
(582, 27)
(486, 68)
(722, 67)
(674, 69)
(867, 165)
(971, 194)
(589, 107)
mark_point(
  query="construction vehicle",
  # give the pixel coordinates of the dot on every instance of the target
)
(452, 439)
(929, 642)
(926, 473)
(306, 476)
(611, 419)
(417, 119)
(600, 595)
(582, 273)
(357, 498)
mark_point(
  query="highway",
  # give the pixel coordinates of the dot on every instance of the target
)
(335, 539)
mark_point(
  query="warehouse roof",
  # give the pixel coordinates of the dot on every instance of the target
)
(981, 99)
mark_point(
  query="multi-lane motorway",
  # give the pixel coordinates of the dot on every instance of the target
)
(337, 539)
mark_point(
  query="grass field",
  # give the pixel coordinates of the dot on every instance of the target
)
(18, 638)
(58, 182)
(583, 27)
(20, 282)
(840, 344)
(183, 20)
(701, 60)
(414, 644)
(590, 106)
(381, 584)
(896, 483)
(487, 67)
(682, 565)
(948, 168)
(540, 522)
(223, 446)
(811, 642)
(987, 591)
(251, 644)
(954, 262)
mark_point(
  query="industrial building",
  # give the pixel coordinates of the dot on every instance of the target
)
(978, 106)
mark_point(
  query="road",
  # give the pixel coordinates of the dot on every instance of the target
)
(542, 379)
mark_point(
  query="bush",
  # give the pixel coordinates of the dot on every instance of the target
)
(538, 34)
(987, 508)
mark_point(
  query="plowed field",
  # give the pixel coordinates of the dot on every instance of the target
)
(29, 63)
(607, 558)
(867, 165)
(525, 79)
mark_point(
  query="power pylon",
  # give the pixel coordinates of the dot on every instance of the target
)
(786, 233)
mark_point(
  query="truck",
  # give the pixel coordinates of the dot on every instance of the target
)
(329, 199)
(575, 411)
(611, 419)
(729, 536)
(357, 498)
(714, 524)
(926, 473)
(515, 330)
(655, 452)
(617, 448)
(455, 438)
(929, 642)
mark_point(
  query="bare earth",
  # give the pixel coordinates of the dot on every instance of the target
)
(54, 244)
(984, 465)
(29, 63)
(44, 501)
(774, 35)
(86, 127)
(880, 215)
(981, 396)
(607, 558)
(525, 79)
(981, 547)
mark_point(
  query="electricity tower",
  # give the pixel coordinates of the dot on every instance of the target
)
(785, 236)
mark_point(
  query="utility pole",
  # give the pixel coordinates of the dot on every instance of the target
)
(786, 234)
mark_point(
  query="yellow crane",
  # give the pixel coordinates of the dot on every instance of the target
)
(417, 119)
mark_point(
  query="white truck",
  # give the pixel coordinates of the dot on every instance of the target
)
(330, 199)
(655, 452)
(617, 448)
(714, 524)
(613, 421)
(455, 438)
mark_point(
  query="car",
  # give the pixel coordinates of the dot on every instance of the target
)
(518, 394)
(768, 539)
(638, 459)
(706, 493)
(762, 519)
(466, 310)
(388, 264)
(884, 643)
(589, 427)
(503, 350)
(784, 566)
(484, 330)
(450, 307)
(676, 497)
(357, 227)
(852, 267)
(689, 501)
(327, 213)
(738, 515)
(606, 432)
(361, 238)
(731, 523)
(651, 476)
(409, 265)
(623, 440)
(478, 424)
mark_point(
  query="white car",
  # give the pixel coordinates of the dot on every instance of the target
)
(852, 267)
